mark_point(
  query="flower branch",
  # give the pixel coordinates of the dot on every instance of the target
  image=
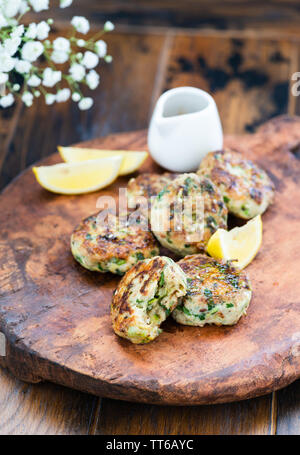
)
(23, 47)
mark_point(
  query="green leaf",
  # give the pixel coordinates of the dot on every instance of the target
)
(78, 258)
(162, 192)
(118, 261)
(245, 210)
(162, 279)
(207, 293)
(207, 187)
(200, 316)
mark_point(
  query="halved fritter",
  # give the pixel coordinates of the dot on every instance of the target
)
(247, 190)
(111, 245)
(146, 185)
(145, 297)
(186, 213)
(217, 292)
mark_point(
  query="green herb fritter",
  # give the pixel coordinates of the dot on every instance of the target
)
(145, 297)
(217, 293)
(186, 213)
(247, 190)
(110, 245)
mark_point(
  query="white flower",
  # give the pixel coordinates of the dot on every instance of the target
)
(80, 43)
(59, 56)
(11, 45)
(101, 48)
(24, 7)
(39, 5)
(7, 100)
(31, 31)
(16, 87)
(42, 30)
(65, 3)
(76, 97)
(10, 8)
(17, 32)
(63, 95)
(61, 44)
(108, 26)
(3, 78)
(77, 72)
(85, 103)
(81, 24)
(34, 81)
(32, 50)
(3, 21)
(90, 60)
(51, 77)
(92, 79)
(7, 63)
(50, 98)
(22, 66)
(27, 98)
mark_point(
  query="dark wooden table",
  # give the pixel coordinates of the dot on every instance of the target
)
(241, 52)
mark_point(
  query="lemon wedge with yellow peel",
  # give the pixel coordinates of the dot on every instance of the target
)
(240, 244)
(131, 160)
(78, 178)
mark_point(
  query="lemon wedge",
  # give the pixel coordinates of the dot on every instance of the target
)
(78, 178)
(240, 244)
(131, 160)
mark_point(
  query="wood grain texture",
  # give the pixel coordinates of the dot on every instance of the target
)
(200, 14)
(249, 78)
(245, 417)
(58, 325)
(288, 418)
(43, 408)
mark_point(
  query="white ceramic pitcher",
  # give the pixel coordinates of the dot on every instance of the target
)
(185, 126)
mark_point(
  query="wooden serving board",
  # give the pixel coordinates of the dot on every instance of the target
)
(55, 315)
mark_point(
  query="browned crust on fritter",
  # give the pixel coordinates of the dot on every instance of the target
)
(108, 245)
(152, 270)
(120, 302)
(150, 184)
(188, 262)
(221, 177)
(191, 265)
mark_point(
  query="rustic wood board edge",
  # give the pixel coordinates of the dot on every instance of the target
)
(23, 364)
